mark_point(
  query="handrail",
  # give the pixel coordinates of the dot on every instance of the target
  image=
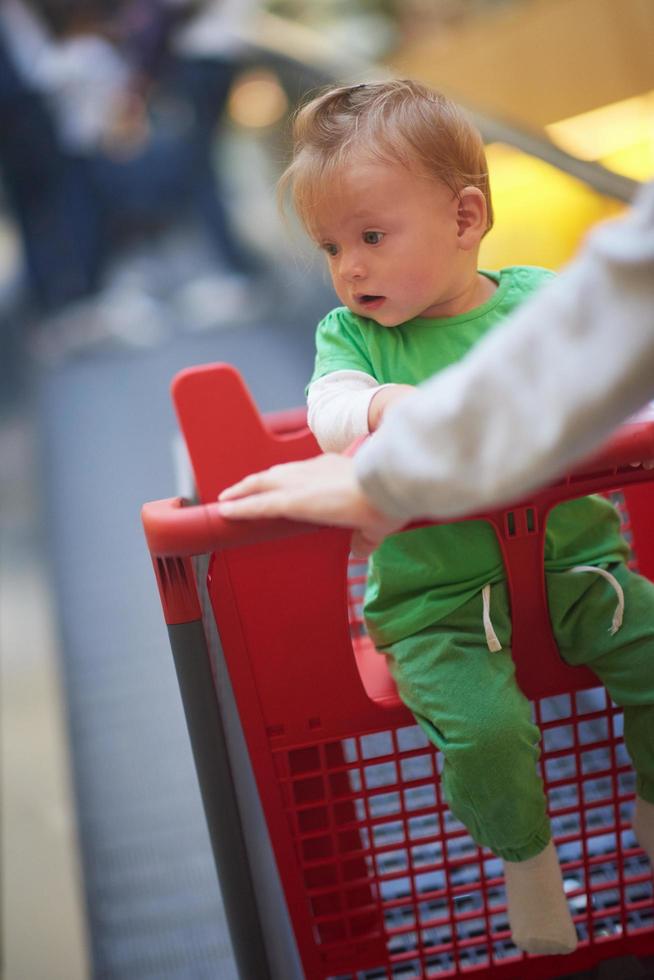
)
(533, 143)
(296, 42)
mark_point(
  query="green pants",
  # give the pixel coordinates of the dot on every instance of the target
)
(468, 702)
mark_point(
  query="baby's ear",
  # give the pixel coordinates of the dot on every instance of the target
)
(472, 217)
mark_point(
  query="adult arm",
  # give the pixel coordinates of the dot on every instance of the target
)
(543, 389)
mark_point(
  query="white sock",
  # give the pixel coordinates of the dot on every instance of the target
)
(539, 916)
(643, 826)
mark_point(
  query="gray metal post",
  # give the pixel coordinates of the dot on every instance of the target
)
(207, 737)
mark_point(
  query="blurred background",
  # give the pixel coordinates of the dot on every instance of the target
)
(140, 144)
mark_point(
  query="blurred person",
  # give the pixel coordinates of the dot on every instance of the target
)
(183, 56)
(127, 103)
(391, 182)
(80, 71)
(51, 197)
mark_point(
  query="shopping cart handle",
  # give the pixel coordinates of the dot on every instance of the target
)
(633, 442)
(177, 527)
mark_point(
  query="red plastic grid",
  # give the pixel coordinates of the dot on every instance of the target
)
(379, 849)
(376, 843)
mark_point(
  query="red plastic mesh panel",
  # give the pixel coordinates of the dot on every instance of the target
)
(379, 849)
(377, 844)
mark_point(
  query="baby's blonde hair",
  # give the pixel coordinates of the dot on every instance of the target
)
(396, 121)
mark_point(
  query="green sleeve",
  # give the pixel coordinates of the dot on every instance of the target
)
(341, 345)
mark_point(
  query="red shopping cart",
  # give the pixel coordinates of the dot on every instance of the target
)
(378, 878)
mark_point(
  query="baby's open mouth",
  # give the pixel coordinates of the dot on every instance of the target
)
(366, 299)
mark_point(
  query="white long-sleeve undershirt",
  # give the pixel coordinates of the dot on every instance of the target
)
(337, 408)
(538, 392)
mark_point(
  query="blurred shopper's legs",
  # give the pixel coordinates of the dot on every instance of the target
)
(204, 85)
(174, 173)
(50, 197)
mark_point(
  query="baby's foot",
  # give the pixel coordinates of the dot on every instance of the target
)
(539, 916)
(643, 825)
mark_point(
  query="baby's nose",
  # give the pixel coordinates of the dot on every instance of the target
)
(352, 267)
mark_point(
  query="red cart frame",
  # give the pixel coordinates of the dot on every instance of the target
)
(379, 878)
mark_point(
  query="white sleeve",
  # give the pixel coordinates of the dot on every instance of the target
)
(535, 394)
(338, 408)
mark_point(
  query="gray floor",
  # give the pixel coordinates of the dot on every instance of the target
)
(43, 924)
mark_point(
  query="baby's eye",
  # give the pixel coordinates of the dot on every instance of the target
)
(373, 237)
(330, 248)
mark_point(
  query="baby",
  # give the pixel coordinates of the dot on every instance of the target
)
(390, 180)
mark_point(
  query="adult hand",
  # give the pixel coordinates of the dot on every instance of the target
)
(322, 490)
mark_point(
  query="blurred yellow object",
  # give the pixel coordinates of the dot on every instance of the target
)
(257, 99)
(541, 214)
(619, 135)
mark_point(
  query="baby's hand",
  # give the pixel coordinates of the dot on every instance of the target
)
(382, 400)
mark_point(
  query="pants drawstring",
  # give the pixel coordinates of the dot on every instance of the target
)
(491, 636)
(494, 644)
(619, 609)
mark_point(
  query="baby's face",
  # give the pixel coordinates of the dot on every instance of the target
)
(392, 244)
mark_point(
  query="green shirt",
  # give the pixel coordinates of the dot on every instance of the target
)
(416, 578)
